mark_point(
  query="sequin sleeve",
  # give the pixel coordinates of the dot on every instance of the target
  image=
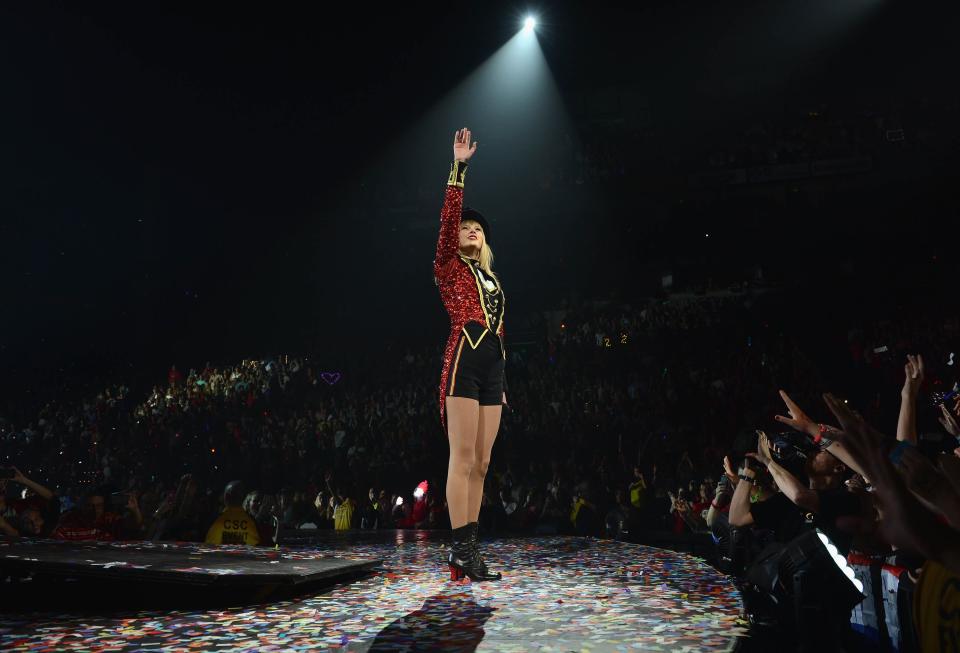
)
(448, 244)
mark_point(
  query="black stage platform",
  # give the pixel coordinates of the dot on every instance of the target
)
(177, 563)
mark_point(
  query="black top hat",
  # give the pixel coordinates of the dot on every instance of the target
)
(472, 214)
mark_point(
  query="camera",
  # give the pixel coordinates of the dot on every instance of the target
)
(791, 446)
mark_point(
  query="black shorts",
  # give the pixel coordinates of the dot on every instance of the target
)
(476, 371)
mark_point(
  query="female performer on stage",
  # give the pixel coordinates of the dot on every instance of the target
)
(472, 389)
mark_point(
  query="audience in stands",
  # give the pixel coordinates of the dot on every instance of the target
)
(644, 407)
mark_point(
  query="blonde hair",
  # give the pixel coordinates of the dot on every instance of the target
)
(486, 254)
(486, 259)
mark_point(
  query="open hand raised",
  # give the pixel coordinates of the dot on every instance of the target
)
(728, 471)
(949, 422)
(763, 449)
(462, 148)
(914, 371)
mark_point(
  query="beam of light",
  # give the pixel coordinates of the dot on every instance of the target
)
(511, 104)
(529, 24)
(517, 116)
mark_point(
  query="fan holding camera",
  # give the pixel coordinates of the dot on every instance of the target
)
(821, 501)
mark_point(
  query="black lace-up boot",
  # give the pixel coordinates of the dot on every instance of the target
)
(463, 560)
(475, 552)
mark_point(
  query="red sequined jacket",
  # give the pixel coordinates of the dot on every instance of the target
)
(461, 285)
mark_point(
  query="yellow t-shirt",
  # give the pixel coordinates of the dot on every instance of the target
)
(343, 515)
(233, 526)
(576, 510)
(936, 609)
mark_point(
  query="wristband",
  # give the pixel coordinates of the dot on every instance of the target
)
(751, 479)
(820, 440)
(897, 452)
(819, 435)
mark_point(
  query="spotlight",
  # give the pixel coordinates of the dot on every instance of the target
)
(529, 24)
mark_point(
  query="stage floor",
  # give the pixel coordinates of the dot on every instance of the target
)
(557, 594)
(198, 565)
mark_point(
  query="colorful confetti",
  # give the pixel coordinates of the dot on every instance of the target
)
(557, 594)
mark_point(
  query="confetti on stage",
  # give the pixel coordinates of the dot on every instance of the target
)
(557, 594)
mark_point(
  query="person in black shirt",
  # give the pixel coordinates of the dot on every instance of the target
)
(819, 503)
(778, 516)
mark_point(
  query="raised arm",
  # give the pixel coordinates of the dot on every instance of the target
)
(739, 514)
(790, 485)
(41, 491)
(905, 522)
(827, 437)
(7, 529)
(907, 422)
(448, 244)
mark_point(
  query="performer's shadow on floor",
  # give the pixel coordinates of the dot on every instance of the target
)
(451, 621)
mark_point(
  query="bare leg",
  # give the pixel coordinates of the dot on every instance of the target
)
(489, 425)
(462, 416)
